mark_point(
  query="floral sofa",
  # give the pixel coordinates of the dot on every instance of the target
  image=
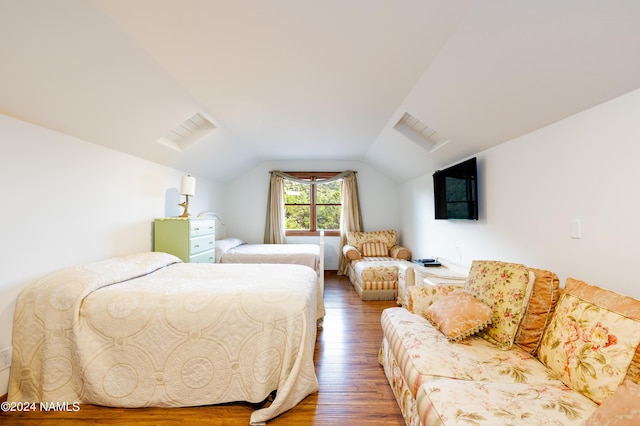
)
(510, 347)
(372, 259)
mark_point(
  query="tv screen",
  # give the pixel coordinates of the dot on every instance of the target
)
(456, 191)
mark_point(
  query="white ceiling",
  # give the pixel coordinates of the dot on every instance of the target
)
(312, 80)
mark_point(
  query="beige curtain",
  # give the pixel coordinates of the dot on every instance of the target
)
(350, 216)
(351, 219)
(274, 232)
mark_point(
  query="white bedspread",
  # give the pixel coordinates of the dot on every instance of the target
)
(297, 254)
(300, 254)
(178, 335)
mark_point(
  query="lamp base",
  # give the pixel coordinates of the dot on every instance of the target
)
(185, 205)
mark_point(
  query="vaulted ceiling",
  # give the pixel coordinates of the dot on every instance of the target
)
(312, 80)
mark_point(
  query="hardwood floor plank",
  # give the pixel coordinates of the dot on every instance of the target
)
(353, 388)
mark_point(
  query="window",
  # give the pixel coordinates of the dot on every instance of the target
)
(314, 206)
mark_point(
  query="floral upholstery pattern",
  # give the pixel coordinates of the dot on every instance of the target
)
(373, 259)
(357, 238)
(421, 297)
(506, 288)
(625, 305)
(374, 278)
(423, 353)
(592, 334)
(490, 404)
(589, 347)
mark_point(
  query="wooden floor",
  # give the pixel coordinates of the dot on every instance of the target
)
(353, 388)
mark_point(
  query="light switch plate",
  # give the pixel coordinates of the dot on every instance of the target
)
(575, 232)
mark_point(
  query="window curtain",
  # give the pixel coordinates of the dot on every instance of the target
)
(274, 232)
(351, 218)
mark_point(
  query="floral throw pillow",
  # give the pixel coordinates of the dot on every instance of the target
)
(506, 288)
(589, 347)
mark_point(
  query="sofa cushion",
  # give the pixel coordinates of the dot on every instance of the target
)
(625, 305)
(589, 345)
(621, 409)
(460, 402)
(506, 288)
(421, 297)
(423, 353)
(459, 315)
(538, 312)
(370, 249)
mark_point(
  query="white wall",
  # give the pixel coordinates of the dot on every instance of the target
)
(247, 199)
(68, 202)
(584, 168)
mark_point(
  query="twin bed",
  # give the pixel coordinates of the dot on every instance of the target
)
(148, 330)
(235, 250)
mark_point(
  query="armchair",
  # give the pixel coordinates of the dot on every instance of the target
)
(373, 259)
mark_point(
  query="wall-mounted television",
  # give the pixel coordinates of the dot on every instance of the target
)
(456, 191)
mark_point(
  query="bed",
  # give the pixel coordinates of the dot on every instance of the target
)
(235, 250)
(148, 330)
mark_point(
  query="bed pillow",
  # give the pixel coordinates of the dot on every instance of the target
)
(506, 288)
(588, 343)
(222, 246)
(459, 315)
(376, 249)
(621, 409)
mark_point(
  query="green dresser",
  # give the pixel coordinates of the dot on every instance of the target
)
(192, 240)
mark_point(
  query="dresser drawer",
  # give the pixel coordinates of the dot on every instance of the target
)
(201, 244)
(201, 227)
(204, 257)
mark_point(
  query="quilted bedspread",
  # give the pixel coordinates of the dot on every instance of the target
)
(148, 330)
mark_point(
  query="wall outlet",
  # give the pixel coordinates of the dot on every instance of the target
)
(5, 358)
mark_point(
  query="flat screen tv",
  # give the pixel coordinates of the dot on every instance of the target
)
(456, 191)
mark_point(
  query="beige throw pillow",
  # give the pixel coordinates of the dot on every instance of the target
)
(459, 315)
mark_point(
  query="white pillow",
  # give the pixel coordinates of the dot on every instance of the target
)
(222, 246)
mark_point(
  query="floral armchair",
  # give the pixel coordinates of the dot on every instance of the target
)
(374, 244)
(372, 263)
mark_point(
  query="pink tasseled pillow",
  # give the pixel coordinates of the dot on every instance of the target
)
(459, 315)
(620, 409)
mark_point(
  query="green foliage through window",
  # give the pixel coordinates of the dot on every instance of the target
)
(312, 206)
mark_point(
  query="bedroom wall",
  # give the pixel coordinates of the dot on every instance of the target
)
(584, 168)
(68, 202)
(247, 199)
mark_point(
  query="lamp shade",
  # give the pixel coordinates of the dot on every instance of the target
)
(188, 185)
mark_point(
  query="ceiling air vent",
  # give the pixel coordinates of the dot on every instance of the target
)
(420, 133)
(187, 133)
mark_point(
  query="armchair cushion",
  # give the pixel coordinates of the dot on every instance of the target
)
(351, 253)
(374, 249)
(399, 252)
(357, 239)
